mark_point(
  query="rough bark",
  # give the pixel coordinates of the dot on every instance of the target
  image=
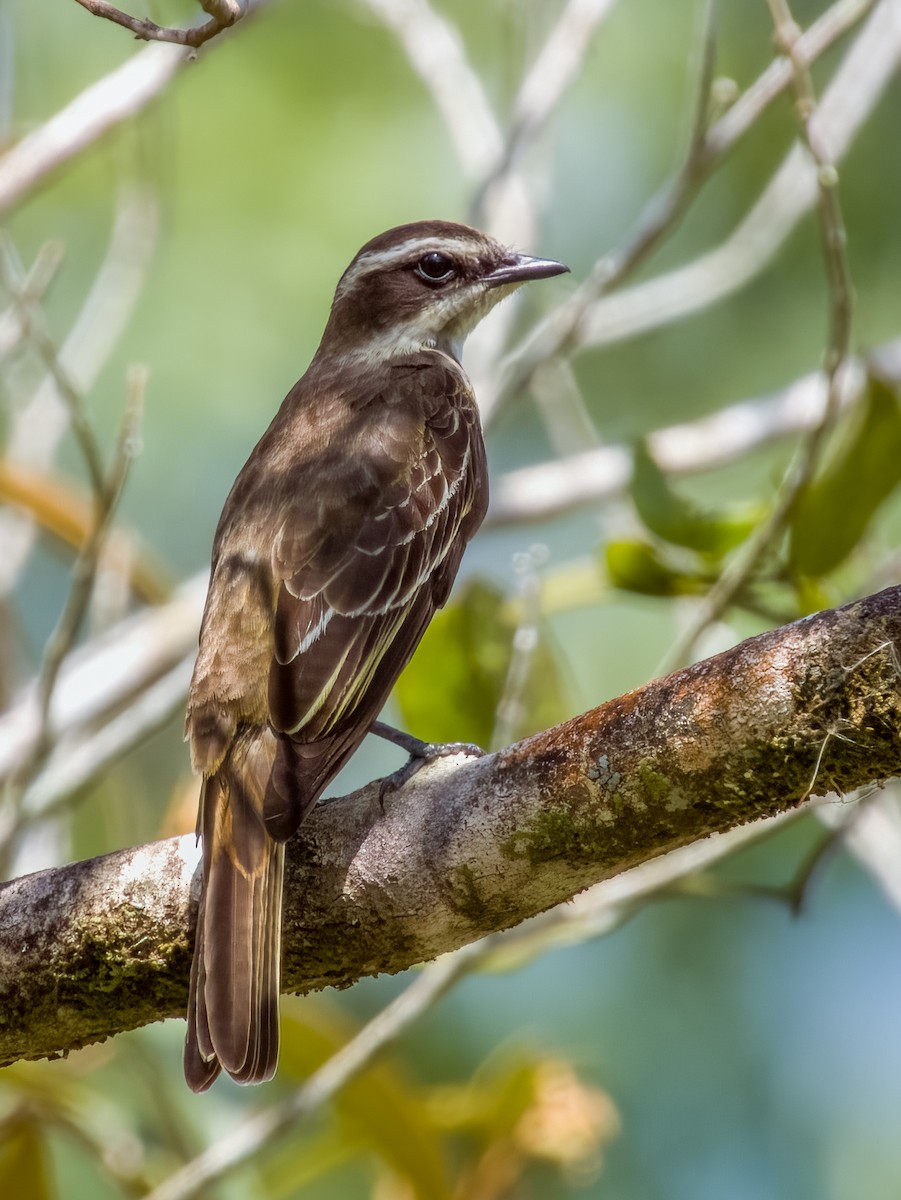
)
(472, 846)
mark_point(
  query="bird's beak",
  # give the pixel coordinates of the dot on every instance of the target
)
(520, 268)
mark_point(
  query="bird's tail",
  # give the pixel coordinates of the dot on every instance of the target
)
(233, 1004)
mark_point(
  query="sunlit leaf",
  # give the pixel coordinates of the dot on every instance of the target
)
(380, 1108)
(452, 688)
(811, 595)
(834, 512)
(494, 1099)
(636, 566)
(295, 1164)
(677, 519)
(24, 1170)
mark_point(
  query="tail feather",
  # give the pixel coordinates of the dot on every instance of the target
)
(262, 1047)
(200, 1063)
(251, 804)
(233, 1005)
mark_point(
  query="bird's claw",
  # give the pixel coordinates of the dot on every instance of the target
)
(421, 753)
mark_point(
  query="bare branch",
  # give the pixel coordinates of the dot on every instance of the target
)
(76, 762)
(63, 510)
(543, 88)
(107, 103)
(43, 419)
(37, 335)
(227, 12)
(847, 102)
(590, 318)
(593, 913)
(436, 52)
(36, 282)
(110, 695)
(832, 25)
(741, 569)
(554, 70)
(550, 489)
(474, 846)
(62, 639)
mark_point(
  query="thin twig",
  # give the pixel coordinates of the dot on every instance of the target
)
(436, 52)
(602, 474)
(42, 417)
(832, 226)
(11, 278)
(739, 572)
(543, 88)
(40, 275)
(832, 25)
(509, 711)
(557, 334)
(104, 677)
(849, 99)
(61, 641)
(227, 13)
(78, 761)
(111, 100)
(258, 1133)
(588, 318)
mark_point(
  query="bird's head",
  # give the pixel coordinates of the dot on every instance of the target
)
(423, 285)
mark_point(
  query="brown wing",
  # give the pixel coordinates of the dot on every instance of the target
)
(360, 585)
(395, 537)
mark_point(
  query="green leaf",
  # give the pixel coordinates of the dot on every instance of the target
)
(23, 1162)
(635, 566)
(451, 689)
(676, 519)
(833, 514)
(491, 1103)
(379, 1108)
(299, 1162)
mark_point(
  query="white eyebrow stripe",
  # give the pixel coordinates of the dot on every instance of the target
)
(378, 260)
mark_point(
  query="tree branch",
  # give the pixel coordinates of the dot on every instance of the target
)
(223, 14)
(590, 317)
(552, 488)
(102, 106)
(470, 847)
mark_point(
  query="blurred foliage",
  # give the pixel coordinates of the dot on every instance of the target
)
(24, 1170)
(380, 1109)
(746, 1054)
(865, 469)
(461, 675)
(680, 520)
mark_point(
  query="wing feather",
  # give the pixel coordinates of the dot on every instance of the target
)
(345, 593)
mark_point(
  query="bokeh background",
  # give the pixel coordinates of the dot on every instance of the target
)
(717, 1044)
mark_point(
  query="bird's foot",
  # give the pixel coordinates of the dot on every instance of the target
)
(420, 753)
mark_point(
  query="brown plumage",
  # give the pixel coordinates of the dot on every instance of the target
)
(340, 538)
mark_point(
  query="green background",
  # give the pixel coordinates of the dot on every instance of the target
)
(749, 1054)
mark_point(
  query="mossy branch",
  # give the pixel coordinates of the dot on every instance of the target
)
(473, 846)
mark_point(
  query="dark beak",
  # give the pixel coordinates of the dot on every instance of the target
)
(520, 268)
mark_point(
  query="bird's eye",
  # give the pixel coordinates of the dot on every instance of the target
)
(435, 267)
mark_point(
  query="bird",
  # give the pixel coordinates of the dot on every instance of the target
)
(339, 540)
